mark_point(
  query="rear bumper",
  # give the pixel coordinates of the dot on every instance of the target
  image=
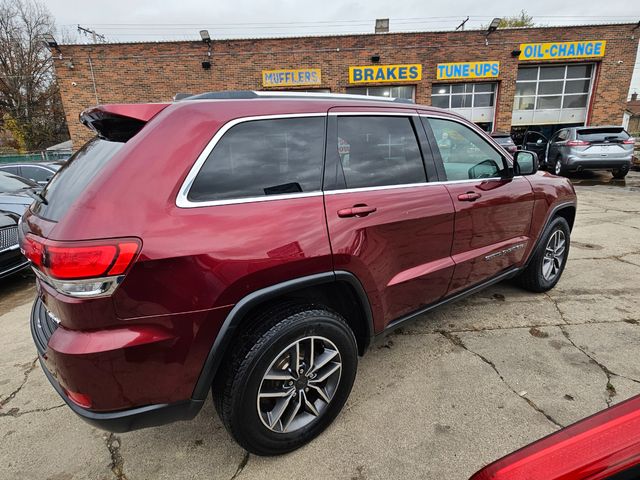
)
(56, 369)
(577, 163)
(130, 419)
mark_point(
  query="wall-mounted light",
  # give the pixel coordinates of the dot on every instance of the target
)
(375, 58)
(206, 64)
(516, 52)
(204, 35)
(493, 26)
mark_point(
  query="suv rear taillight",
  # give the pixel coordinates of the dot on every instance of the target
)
(629, 141)
(577, 143)
(81, 269)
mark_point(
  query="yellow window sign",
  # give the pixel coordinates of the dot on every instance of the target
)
(385, 73)
(451, 71)
(562, 50)
(291, 78)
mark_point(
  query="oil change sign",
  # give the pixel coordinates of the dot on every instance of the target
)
(385, 73)
(450, 71)
(562, 50)
(291, 78)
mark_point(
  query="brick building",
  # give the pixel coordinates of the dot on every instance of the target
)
(517, 79)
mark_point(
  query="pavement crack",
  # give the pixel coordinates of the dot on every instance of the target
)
(241, 465)
(610, 389)
(117, 461)
(15, 412)
(555, 304)
(13, 394)
(457, 341)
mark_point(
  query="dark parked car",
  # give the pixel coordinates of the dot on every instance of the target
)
(16, 193)
(40, 173)
(11, 260)
(591, 148)
(262, 256)
(505, 141)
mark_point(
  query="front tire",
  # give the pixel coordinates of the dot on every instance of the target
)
(558, 168)
(549, 259)
(288, 379)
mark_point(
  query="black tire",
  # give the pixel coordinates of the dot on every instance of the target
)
(558, 168)
(532, 277)
(620, 173)
(236, 389)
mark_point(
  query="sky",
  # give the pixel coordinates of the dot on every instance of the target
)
(142, 20)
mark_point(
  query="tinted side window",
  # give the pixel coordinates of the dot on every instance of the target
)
(37, 174)
(377, 151)
(11, 169)
(263, 157)
(465, 154)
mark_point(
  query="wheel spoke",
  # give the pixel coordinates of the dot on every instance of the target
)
(274, 394)
(321, 393)
(331, 369)
(324, 358)
(295, 358)
(276, 414)
(310, 407)
(279, 375)
(294, 412)
(311, 354)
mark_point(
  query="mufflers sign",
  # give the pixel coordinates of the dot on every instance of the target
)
(291, 78)
(562, 50)
(385, 73)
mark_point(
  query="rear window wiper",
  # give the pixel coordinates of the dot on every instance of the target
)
(36, 195)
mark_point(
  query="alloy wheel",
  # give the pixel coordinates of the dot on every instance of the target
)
(299, 384)
(558, 167)
(554, 255)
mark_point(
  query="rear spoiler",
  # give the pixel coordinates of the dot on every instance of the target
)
(119, 122)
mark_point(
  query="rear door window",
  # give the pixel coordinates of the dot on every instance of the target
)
(596, 135)
(65, 188)
(378, 150)
(37, 174)
(261, 158)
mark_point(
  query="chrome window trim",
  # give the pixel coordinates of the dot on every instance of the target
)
(182, 200)
(375, 113)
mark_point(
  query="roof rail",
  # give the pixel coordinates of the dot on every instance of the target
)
(249, 94)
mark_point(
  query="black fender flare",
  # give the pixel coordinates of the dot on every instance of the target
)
(235, 317)
(550, 216)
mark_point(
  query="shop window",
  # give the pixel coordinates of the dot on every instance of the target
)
(463, 95)
(406, 92)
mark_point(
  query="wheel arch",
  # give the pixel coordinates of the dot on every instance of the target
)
(340, 291)
(566, 210)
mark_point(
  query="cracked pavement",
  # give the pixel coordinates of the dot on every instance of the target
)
(442, 396)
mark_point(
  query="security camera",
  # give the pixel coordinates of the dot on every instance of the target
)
(620, 62)
(74, 84)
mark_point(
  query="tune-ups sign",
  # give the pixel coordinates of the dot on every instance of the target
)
(451, 71)
(562, 50)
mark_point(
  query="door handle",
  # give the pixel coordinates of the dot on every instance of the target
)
(469, 196)
(356, 211)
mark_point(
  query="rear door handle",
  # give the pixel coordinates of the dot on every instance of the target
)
(469, 196)
(356, 211)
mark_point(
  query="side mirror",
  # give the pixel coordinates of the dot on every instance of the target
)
(525, 162)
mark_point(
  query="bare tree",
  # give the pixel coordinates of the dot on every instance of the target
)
(30, 104)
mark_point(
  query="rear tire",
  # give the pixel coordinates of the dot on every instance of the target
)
(558, 167)
(289, 341)
(620, 173)
(547, 264)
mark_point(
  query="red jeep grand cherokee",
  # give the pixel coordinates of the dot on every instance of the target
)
(254, 244)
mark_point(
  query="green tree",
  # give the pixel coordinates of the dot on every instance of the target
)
(30, 104)
(523, 19)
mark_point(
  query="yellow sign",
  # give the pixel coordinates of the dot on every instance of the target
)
(562, 50)
(385, 73)
(291, 78)
(450, 71)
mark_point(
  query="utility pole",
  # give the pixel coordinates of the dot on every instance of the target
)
(94, 35)
(461, 26)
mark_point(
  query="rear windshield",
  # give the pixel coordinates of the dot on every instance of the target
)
(611, 134)
(12, 183)
(74, 176)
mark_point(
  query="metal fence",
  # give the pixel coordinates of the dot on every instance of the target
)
(35, 157)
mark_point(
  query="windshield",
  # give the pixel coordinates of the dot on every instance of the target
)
(13, 183)
(74, 176)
